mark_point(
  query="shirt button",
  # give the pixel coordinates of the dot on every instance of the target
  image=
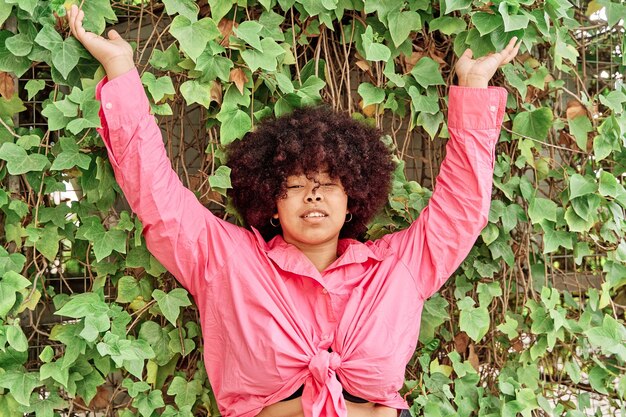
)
(324, 291)
(108, 106)
(493, 108)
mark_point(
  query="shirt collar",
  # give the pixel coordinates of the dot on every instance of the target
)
(289, 258)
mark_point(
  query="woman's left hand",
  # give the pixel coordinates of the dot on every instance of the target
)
(478, 72)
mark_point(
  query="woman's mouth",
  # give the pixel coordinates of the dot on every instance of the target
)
(314, 215)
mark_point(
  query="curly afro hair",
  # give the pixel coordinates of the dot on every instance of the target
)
(307, 141)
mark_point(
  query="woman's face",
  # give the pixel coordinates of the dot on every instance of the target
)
(313, 211)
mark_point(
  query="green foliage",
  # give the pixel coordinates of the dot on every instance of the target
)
(500, 340)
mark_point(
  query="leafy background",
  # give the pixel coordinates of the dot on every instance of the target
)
(531, 324)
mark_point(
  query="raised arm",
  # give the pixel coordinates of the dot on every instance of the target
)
(438, 241)
(179, 231)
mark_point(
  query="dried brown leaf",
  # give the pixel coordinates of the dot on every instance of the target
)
(473, 358)
(216, 92)
(461, 340)
(226, 29)
(363, 65)
(7, 85)
(575, 109)
(239, 78)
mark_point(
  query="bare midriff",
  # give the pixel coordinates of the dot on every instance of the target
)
(293, 408)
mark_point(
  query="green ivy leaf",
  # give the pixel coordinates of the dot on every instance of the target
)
(16, 338)
(28, 141)
(422, 103)
(56, 371)
(5, 11)
(534, 124)
(44, 407)
(542, 208)
(8, 61)
(220, 180)
(157, 337)
(124, 350)
(97, 14)
(147, 403)
(579, 185)
(610, 337)
(563, 50)
(158, 87)
(10, 262)
(66, 55)
(401, 24)
(220, 8)
(434, 314)
(70, 157)
(19, 162)
(473, 320)
(309, 91)
(577, 223)
(195, 91)
(10, 284)
(187, 8)
(374, 51)
(127, 289)
(371, 94)
(213, 67)
(609, 186)
(193, 37)
(83, 305)
(167, 60)
(267, 59)
(104, 241)
(33, 87)
(19, 45)
(426, 73)
(501, 248)
(486, 22)
(509, 327)
(26, 5)
(512, 21)
(452, 5)
(234, 124)
(21, 384)
(185, 392)
(447, 25)
(553, 239)
(613, 100)
(579, 127)
(171, 302)
(248, 31)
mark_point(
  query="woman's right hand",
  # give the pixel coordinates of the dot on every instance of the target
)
(115, 54)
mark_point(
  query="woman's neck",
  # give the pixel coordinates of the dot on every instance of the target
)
(321, 255)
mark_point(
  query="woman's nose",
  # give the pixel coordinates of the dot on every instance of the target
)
(313, 195)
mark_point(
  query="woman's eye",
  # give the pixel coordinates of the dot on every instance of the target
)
(293, 187)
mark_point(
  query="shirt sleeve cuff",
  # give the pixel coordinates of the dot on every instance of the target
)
(476, 108)
(122, 99)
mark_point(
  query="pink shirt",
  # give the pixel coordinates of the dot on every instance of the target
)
(268, 316)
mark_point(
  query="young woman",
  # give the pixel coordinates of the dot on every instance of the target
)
(298, 317)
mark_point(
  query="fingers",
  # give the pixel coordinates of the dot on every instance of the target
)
(113, 35)
(510, 52)
(75, 19)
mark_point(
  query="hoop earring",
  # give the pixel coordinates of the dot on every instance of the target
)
(348, 219)
(272, 222)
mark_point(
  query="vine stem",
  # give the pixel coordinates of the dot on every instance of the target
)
(542, 142)
(15, 135)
